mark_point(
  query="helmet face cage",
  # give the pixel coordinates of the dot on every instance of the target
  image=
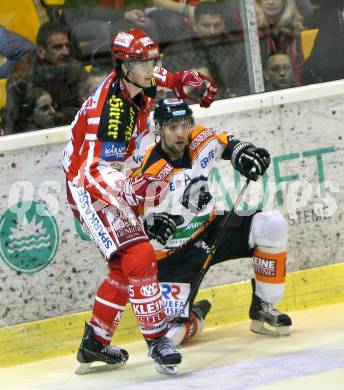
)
(169, 110)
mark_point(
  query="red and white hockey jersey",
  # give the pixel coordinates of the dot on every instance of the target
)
(96, 156)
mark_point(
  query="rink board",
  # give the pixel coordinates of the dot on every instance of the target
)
(61, 336)
(62, 277)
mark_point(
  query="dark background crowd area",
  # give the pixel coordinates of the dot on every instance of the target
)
(47, 82)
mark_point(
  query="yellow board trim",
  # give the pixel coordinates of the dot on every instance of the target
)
(54, 337)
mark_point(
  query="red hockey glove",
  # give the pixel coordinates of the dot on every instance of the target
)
(194, 86)
(144, 188)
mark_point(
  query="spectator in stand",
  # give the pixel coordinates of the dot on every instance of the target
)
(278, 72)
(93, 23)
(280, 24)
(12, 47)
(213, 51)
(171, 19)
(231, 10)
(51, 68)
(326, 61)
(37, 111)
(187, 7)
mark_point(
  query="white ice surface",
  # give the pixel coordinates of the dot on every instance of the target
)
(229, 357)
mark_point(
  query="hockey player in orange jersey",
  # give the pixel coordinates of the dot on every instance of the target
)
(184, 225)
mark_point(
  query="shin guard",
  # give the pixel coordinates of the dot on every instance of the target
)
(270, 272)
(108, 309)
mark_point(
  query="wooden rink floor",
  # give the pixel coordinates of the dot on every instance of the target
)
(227, 357)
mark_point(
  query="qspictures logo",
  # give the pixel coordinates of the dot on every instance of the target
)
(28, 239)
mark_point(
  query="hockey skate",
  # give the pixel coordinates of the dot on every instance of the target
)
(180, 333)
(266, 319)
(201, 308)
(165, 355)
(91, 350)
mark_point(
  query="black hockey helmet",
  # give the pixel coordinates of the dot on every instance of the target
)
(171, 109)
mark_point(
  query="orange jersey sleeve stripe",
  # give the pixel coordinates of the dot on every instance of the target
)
(222, 137)
(200, 137)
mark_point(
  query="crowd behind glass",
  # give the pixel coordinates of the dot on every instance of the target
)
(46, 83)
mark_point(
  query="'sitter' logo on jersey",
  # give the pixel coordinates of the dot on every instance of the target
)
(113, 151)
(121, 119)
(264, 267)
(29, 243)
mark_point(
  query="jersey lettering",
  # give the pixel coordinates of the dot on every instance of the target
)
(187, 179)
(203, 135)
(205, 161)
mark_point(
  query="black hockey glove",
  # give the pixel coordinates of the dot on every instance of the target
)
(162, 226)
(249, 160)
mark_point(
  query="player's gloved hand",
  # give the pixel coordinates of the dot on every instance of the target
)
(137, 190)
(194, 86)
(161, 226)
(249, 160)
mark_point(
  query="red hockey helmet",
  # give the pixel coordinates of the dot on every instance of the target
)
(134, 45)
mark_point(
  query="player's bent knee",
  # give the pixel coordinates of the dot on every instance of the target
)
(269, 228)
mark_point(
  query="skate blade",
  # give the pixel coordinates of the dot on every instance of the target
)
(88, 368)
(168, 369)
(261, 327)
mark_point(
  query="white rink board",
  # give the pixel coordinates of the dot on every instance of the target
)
(305, 139)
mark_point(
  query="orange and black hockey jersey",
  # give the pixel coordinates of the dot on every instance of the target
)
(187, 177)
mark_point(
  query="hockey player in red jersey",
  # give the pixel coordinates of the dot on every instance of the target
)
(183, 227)
(106, 202)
